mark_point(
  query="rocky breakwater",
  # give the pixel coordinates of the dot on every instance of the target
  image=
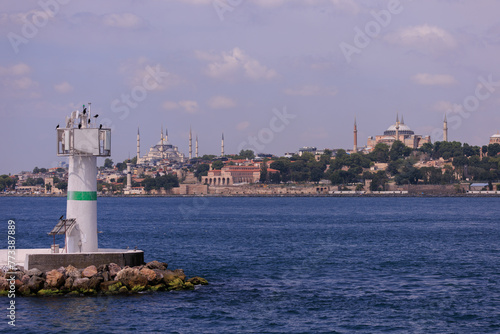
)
(106, 279)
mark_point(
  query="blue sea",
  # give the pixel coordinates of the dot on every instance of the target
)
(283, 265)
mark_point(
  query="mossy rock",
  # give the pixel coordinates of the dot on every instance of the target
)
(73, 293)
(198, 280)
(123, 289)
(89, 292)
(138, 288)
(158, 287)
(4, 293)
(48, 292)
(111, 286)
(176, 284)
(188, 286)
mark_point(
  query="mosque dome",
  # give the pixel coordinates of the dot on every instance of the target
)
(497, 135)
(403, 130)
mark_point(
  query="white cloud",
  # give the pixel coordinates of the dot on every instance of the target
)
(311, 90)
(188, 106)
(243, 125)
(24, 83)
(123, 20)
(230, 64)
(63, 87)
(18, 69)
(434, 79)
(446, 107)
(424, 37)
(150, 75)
(221, 102)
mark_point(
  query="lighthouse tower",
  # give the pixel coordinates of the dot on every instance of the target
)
(82, 141)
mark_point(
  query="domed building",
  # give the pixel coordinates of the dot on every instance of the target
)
(163, 150)
(495, 139)
(399, 131)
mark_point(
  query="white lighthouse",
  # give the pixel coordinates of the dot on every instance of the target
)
(82, 141)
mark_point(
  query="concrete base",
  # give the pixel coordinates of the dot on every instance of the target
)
(44, 260)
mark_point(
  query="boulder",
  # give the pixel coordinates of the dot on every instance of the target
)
(102, 268)
(89, 271)
(95, 282)
(24, 290)
(154, 276)
(81, 284)
(18, 283)
(34, 272)
(25, 279)
(68, 285)
(156, 265)
(131, 278)
(62, 270)
(73, 272)
(170, 275)
(4, 284)
(113, 269)
(35, 283)
(54, 279)
(197, 280)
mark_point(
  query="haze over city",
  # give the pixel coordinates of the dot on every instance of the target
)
(229, 68)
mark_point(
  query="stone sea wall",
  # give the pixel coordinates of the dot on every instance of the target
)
(106, 279)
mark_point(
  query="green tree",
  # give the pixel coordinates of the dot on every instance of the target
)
(201, 170)
(263, 172)
(380, 153)
(247, 154)
(283, 165)
(63, 185)
(108, 163)
(217, 164)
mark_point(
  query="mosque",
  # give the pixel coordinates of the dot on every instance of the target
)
(163, 150)
(399, 131)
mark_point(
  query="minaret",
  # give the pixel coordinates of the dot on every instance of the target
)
(166, 135)
(222, 146)
(161, 148)
(355, 149)
(196, 148)
(397, 127)
(138, 145)
(190, 144)
(445, 129)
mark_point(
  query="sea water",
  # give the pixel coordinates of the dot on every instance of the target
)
(282, 265)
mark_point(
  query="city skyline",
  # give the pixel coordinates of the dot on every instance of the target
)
(232, 69)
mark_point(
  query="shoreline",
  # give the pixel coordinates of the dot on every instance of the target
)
(267, 195)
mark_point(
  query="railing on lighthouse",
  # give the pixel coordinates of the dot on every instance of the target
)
(82, 141)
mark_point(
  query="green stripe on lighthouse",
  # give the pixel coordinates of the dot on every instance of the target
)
(82, 195)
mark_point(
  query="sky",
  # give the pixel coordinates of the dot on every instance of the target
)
(272, 75)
